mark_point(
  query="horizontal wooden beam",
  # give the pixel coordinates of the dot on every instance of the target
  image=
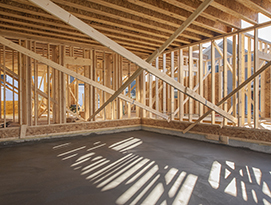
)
(67, 71)
(94, 34)
(264, 56)
(258, 72)
(77, 61)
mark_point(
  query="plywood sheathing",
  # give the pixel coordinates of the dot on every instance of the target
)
(235, 132)
(12, 132)
(72, 127)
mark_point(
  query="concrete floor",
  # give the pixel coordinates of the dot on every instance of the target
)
(132, 168)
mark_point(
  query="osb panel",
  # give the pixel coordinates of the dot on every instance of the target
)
(10, 132)
(245, 133)
(71, 127)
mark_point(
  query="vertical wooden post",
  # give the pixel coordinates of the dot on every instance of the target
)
(20, 85)
(103, 93)
(87, 87)
(94, 90)
(150, 93)
(241, 74)
(249, 85)
(129, 90)
(116, 68)
(64, 86)
(219, 76)
(55, 86)
(13, 93)
(225, 76)
(29, 87)
(256, 81)
(156, 87)
(234, 74)
(48, 87)
(172, 88)
(213, 79)
(164, 85)
(115, 86)
(262, 96)
(181, 80)
(120, 84)
(200, 67)
(138, 95)
(4, 64)
(143, 93)
(35, 88)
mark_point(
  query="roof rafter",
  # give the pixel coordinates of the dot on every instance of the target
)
(236, 9)
(209, 13)
(262, 6)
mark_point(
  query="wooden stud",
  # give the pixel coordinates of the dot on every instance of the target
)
(256, 81)
(200, 77)
(181, 80)
(234, 74)
(156, 87)
(143, 93)
(262, 93)
(172, 88)
(35, 88)
(4, 64)
(241, 86)
(164, 85)
(150, 78)
(225, 75)
(241, 77)
(249, 85)
(120, 83)
(129, 90)
(48, 87)
(213, 64)
(190, 83)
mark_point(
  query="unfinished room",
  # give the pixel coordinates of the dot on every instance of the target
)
(135, 102)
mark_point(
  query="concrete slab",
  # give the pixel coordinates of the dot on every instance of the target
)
(136, 167)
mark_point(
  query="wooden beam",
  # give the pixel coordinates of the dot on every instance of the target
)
(225, 75)
(213, 85)
(256, 81)
(181, 80)
(234, 73)
(4, 65)
(83, 27)
(190, 83)
(211, 13)
(242, 85)
(241, 77)
(172, 88)
(262, 6)
(77, 61)
(181, 14)
(236, 9)
(249, 85)
(200, 77)
(156, 87)
(67, 71)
